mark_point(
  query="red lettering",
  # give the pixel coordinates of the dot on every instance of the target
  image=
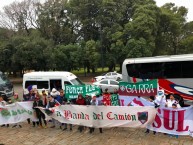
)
(157, 120)
(109, 116)
(67, 114)
(181, 121)
(168, 120)
(121, 102)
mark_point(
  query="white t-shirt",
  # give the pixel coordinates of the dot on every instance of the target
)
(160, 100)
(170, 102)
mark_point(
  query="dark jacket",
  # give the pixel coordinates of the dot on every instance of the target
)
(38, 103)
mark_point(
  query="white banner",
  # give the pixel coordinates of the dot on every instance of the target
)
(167, 120)
(103, 116)
(16, 112)
(174, 121)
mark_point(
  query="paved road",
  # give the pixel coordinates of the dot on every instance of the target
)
(28, 135)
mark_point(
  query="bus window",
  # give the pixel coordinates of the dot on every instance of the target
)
(187, 70)
(172, 70)
(146, 70)
(40, 84)
(132, 71)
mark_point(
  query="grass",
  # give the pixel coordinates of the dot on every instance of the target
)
(98, 71)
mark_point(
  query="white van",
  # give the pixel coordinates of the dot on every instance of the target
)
(49, 80)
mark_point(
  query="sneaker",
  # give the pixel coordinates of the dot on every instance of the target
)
(45, 126)
(40, 126)
(14, 126)
(52, 126)
(146, 131)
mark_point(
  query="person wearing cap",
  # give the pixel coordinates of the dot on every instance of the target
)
(160, 99)
(56, 95)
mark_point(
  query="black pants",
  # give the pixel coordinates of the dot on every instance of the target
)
(92, 130)
(28, 120)
(41, 116)
(80, 128)
(147, 131)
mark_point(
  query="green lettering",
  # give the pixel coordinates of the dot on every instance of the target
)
(14, 113)
(133, 117)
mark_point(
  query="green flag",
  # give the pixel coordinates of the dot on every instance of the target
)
(146, 88)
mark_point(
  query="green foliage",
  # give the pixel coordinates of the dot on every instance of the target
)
(73, 34)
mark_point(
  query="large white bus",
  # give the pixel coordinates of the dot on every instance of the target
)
(174, 73)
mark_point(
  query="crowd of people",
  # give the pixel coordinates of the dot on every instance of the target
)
(57, 97)
(170, 101)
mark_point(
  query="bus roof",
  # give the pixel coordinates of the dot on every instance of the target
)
(165, 58)
(49, 74)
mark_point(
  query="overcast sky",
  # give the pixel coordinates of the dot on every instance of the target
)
(187, 3)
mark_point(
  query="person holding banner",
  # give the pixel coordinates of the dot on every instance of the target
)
(53, 103)
(80, 101)
(65, 124)
(151, 99)
(3, 103)
(39, 103)
(14, 100)
(106, 98)
(160, 99)
(94, 102)
(172, 101)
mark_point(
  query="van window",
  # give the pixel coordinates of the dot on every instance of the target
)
(57, 84)
(76, 81)
(40, 84)
(67, 83)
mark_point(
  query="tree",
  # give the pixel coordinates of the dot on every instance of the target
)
(170, 30)
(20, 16)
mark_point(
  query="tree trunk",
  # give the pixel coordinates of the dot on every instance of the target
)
(93, 70)
(120, 65)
